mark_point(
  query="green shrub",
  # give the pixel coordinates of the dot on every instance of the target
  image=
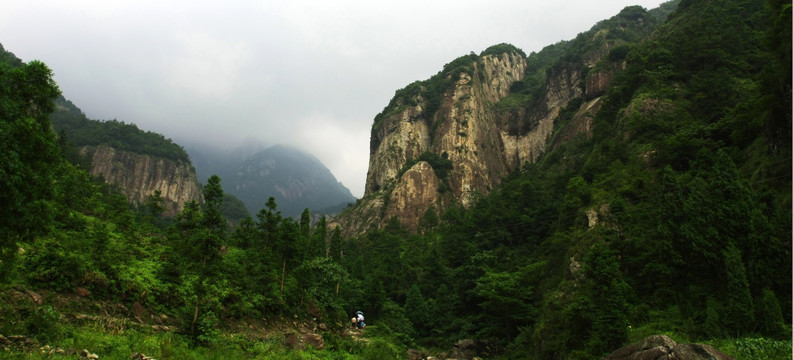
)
(50, 265)
(380, 349)
(756, 348)
(43, 324)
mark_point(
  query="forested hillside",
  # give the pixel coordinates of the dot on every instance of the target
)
(670, 215)
(81, 131)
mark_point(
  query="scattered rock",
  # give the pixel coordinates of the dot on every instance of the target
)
(468, 349)
(82, 292)
(314, 340)
(139, 312)
(323, 327)
(140, 356)
(35, 297)
(85, 354)
(312, 309)
(663, 347)
(18, 342)
(160, 328)
(414, 354)
(292, 340)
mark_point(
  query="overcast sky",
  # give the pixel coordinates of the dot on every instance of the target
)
(310, 74)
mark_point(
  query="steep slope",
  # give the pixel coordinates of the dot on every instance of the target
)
(139, 176)
(485, 116)
(666, 208)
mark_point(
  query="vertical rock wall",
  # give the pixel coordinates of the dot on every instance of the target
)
(138, 176)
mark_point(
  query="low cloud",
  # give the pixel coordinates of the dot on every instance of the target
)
(309, 74)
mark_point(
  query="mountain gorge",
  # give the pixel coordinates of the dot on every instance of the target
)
(622, 195)
(295, 179)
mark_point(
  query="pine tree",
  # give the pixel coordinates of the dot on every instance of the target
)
(335, 244)
(28, 157)
(417, 311)
(738, 309)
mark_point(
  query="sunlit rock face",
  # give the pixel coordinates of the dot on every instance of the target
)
(416, 191)
(467, 129)
(138, 176)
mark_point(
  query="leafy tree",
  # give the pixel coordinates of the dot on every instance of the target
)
(334, 251)
(246, 235)
(320, 278)
(213, 222)
(305, 223)
(319, 239)
(429, 220)
(154, 203)
(29, 156)
(608, 293)
(739, 309)
(202, 234)
(233, 209)
(506, 301)
(417, 311)
(769, 316)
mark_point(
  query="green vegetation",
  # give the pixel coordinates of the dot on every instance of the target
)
(81, 131)
(502, 48)
(672, 218)
(430, 92)
(440, 164)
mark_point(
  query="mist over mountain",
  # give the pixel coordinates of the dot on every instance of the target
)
(253, 172)
(623, 195)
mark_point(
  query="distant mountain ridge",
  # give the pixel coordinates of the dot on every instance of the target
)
(295, 179)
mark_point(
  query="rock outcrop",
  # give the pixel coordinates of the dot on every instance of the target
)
(467, 114)
(663, 347)
(463, 130)
(138, 176)
(467, 130)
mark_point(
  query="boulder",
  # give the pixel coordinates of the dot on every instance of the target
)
(82, 292)
(414, 354)
(468, 349)
(35, 297)
(312, 309)
(314, 340)
(139, 312)
(292, 340)
(658, 347)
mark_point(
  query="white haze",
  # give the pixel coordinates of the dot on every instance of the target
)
(310, 74)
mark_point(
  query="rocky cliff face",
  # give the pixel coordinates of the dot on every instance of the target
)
(138, 176)
(467, 130)
(464, 130)
(469, 127)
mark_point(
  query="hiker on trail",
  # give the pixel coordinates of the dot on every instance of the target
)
(361, 323)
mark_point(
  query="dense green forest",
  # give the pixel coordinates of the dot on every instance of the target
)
(81, 131)
(688, 168)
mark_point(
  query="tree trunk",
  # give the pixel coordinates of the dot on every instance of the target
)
(195, 315)
(283, 273)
